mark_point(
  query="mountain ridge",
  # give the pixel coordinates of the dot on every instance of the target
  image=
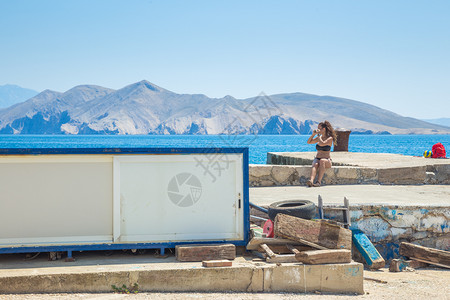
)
(11, 94)
(145, 108)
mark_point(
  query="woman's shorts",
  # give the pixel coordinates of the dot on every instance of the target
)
(317, 160)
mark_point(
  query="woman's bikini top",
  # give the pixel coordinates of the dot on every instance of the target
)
(323, 148)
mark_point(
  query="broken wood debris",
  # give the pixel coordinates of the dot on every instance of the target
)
(398, 265)
(368, 251)
(432, 256)
(266, 249)
(254, 243)
(374, 279)
(205, 252)
(291, 232)
(282, 258)
(314, 233)
(217, 263)
(315, 257)
(292, 249)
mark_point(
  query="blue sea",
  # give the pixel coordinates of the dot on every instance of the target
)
(258, 145)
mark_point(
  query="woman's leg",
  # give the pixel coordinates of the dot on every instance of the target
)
(323, 164)
(313, 173)
(321, 170)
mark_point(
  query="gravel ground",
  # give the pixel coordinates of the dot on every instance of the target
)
(424, 284)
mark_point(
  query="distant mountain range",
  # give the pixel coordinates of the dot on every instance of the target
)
(145, 108)
(11, 94)
(439, 121)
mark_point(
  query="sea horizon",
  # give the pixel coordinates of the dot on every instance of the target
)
(259, 145)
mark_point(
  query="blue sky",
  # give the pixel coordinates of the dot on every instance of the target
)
(392, 54)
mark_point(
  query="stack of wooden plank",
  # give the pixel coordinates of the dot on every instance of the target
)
(309, 241)
(216, 255)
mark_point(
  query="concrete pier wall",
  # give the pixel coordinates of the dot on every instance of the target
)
(388, 226)
(279, 175)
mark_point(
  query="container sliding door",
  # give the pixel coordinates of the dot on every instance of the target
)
(172, 198)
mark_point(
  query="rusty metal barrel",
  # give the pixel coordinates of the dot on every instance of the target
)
(342, 140)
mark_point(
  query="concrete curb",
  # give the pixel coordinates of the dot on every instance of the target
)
(334, 278)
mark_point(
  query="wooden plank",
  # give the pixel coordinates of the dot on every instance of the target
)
(415, 264)
(290, 247)
(282, 258)
(283, 249)
(368, 251)
(431, 263)
(217, 263)
(314, 233)
(205, 252)
(311, 244)
(266, 249)
(254, 243)
(315, 257)
(425, 254)
(374, 279)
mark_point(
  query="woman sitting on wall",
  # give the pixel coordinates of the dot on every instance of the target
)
(324, 139)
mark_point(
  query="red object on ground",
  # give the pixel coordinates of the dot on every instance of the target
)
(438, 151)
(268, 229)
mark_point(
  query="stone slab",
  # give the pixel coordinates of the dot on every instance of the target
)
(421, 195)
(368, 160)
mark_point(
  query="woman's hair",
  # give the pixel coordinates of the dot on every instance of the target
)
(329, 130)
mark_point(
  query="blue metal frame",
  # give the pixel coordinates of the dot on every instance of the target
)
(119, 151)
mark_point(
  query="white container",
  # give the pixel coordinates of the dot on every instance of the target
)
(94, 199)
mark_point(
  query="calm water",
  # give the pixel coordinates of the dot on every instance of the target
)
(258, 145)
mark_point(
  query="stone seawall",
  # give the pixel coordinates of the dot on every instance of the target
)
(388, 226)
(276, 175)
(355, 168)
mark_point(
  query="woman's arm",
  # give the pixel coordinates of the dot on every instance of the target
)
(312, 139)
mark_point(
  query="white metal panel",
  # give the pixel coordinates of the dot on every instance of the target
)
(53, 199)
(178, 197)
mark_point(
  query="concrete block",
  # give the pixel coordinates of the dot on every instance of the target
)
(398, 265)
(347, 173)
(330, 176)
(203, 280)
(303, 171)
(442, 174)
(368, 175)
(259, 171)
(266, 183)
(281, 174)
(330, 278)
(411, 175)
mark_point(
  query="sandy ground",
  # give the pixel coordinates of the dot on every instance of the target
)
(424, 284)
